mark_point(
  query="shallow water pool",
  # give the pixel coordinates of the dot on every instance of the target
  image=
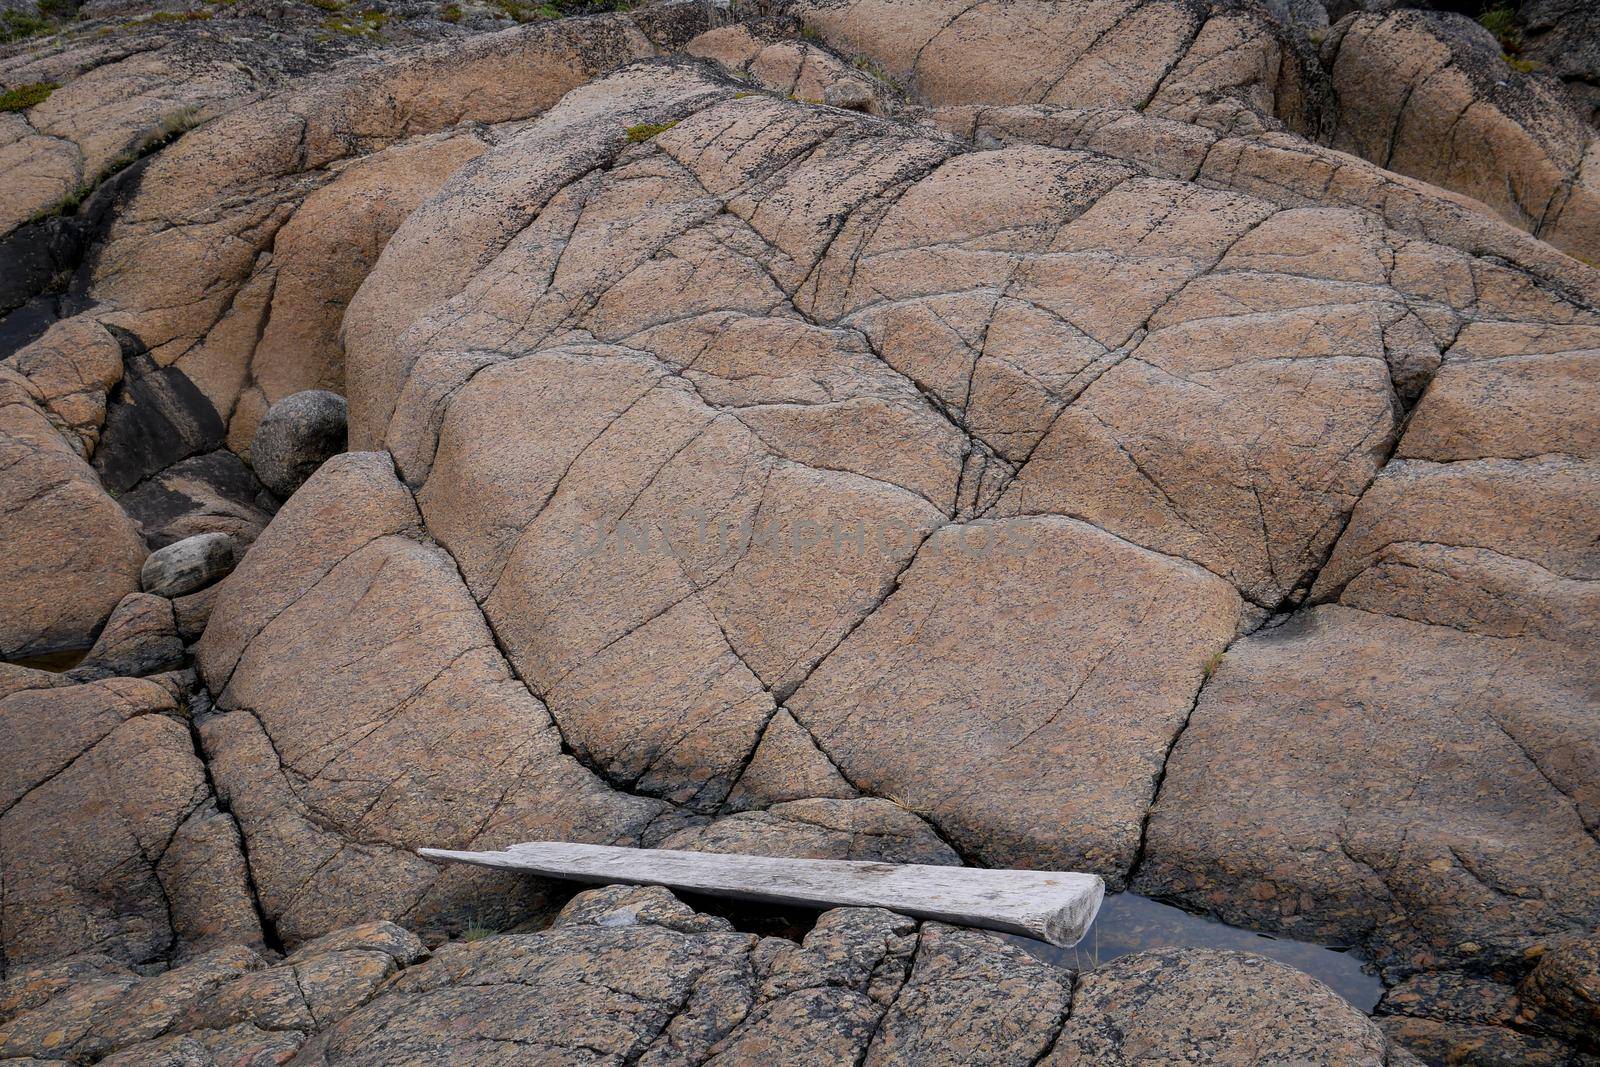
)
(1130, 923)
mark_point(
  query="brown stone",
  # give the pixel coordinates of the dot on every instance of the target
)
(864, 829)
(1408, 787)
(110, 839)
(70, 553)
(72, 368)
(1562, 992)
(1211, 1006)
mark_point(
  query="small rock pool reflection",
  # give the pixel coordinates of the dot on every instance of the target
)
(1130, 923)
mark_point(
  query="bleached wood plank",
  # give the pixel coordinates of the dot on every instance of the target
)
(1054, 906)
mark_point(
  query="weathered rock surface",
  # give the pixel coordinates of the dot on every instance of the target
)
(228, 1005)
(214, 493)
(335, 787)
(156, 418)
(1404, 764)
(1429, 94)
(110, 839)
(125, 86)
(632, 975)
(1562, 993)
(68, 553)
(72, 368)
(140, 638)
(328, 168)
(298, 434)
(768, 53)
(1091, 471)
(1468, 845)
(1209, 1006)
(187, 565)
(1179, 60)
(1564, 36)
(864, 829)
(1425, 94)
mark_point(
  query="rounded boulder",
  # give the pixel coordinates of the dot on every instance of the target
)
(298, 434)
(187, 565)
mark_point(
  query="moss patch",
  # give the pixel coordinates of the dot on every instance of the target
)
(646, 130)
(174, 16)
(171, 127)
(359, 24)
(25, 96)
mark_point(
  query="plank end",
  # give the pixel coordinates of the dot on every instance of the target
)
(1066, 926)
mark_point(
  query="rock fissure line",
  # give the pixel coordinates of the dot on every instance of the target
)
(567, 748)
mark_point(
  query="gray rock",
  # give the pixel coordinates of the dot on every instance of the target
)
(187, 565)
(298, 434)
(211, 493)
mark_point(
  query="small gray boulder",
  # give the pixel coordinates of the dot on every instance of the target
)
(298, 435)
(187, 565)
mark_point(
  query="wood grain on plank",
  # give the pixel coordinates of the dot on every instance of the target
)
(1054, 906)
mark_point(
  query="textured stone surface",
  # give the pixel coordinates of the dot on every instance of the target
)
(229, 1005)
(1421, 93)
(1563, 990)
(425, 740)
(632, 975)
(768, 54)
(140, 638)
(156, 418)
(298, 434)
(1429, 94)
(1065, 463)
(1439, 793)
(214, 493)
(1438, 1041)
(970, 1001)
(130, 75)
(68, 553)
(864, 829)
(1178, 60)
(1209, 1006)
(110, 839)
(328, 166)
(72, 368)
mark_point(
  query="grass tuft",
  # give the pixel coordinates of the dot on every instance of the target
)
(871, 70)
(25, 96)
(1500, 19)
(17, 25)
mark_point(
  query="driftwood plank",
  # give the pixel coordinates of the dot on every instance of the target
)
(1054, 906)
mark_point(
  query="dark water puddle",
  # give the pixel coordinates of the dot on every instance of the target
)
(1129, 923)
(54, 662)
